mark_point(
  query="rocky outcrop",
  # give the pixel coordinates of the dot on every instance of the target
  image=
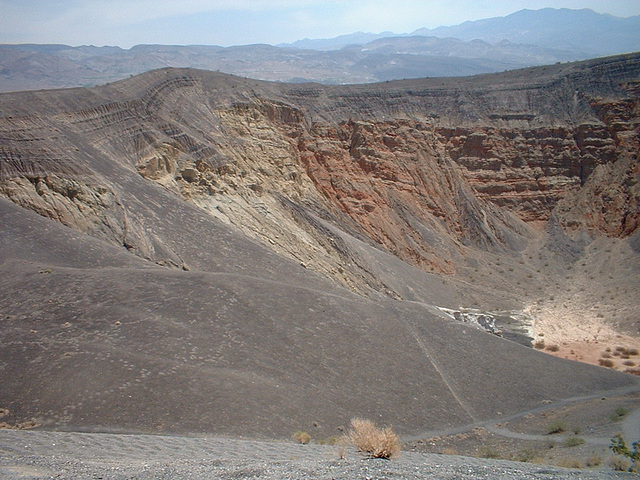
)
(609, 201)
(528, 171)
(92, 209)
(394, 181)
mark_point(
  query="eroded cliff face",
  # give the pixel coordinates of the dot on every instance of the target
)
(396, 182)
(609, 199)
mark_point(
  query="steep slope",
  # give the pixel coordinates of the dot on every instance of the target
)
(221, 254)
(96, 339)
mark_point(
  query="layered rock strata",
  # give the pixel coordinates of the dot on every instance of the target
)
(427, 170)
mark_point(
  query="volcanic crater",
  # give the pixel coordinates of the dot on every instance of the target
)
(191, 252)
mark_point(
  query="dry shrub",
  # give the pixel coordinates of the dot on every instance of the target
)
(570, 462)
(605, 362)
(301, 437)
(594, 460)
(553, 348)
(328, 441)
(490, 452)
(557, 426)
(619, 463)
(539, 345)
(377, 443)
(619, 413)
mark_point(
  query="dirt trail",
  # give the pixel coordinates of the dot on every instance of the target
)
(631, 425)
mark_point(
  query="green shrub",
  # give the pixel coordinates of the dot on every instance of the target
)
(619, 414)
(557, 426)
(574, 441)
(619, 447)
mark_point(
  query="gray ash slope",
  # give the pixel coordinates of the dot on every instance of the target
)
(72, 456)
(131, 309)
(96, 339)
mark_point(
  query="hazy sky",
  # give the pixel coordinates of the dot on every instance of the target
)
(236, 22)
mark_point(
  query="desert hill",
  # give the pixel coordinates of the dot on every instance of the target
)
(188, 251)
(522, 39)
(33, 67)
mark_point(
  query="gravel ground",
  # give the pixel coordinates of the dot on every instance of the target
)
(40, 455)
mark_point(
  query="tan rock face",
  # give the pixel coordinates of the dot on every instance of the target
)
(396, 182)
(609, 200)
(525, 171)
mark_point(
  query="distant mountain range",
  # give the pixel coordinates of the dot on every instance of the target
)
(576, 30)
(525, 38)
(582, 32)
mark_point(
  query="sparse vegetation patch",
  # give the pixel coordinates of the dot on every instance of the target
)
(574, 441)
(490, 452)
(605, 362)
(539, 345)
(619, 447)
(594, 460)
(619, 413)
(619, 464)
(556, 427)
(570, 462)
